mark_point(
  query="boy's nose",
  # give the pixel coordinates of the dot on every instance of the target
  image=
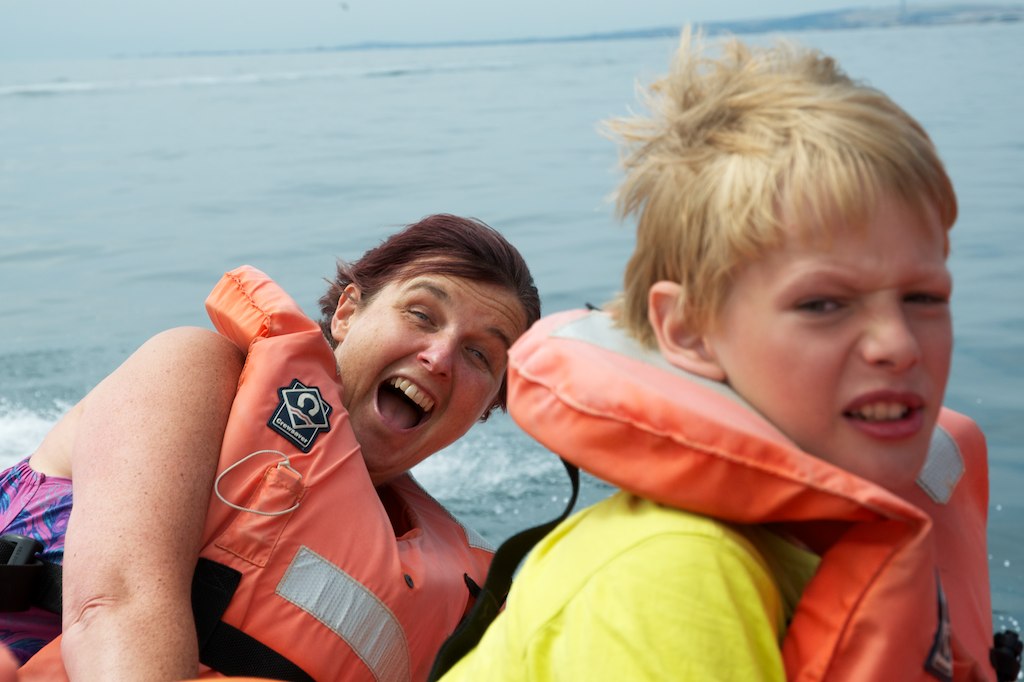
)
(890, 341)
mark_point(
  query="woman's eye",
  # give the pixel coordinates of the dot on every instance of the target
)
(480, 357)
(419, 315)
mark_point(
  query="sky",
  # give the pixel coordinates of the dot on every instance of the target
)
(101, 28)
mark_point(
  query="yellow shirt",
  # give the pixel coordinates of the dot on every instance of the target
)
(630, 590)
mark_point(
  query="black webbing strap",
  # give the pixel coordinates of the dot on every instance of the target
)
(499, 580)
(223, 647)
(25, 580)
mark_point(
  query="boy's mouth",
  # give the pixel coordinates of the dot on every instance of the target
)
(402, 403)
(880, 411)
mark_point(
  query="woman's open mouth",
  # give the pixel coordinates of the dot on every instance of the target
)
(402, 403)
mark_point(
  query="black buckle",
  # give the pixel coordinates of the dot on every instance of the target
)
(1005, 655)
(18, 550)
(20, 570)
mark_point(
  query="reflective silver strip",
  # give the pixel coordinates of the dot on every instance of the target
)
(943, 468)
(353, 612)
(474, 539)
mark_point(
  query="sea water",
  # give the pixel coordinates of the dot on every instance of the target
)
(127, 186)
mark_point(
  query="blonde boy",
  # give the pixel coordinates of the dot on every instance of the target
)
(772, 413)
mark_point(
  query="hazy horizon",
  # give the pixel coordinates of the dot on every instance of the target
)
(105, 28)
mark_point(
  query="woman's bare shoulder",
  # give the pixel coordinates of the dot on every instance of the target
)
(200, 345)
(186, 365)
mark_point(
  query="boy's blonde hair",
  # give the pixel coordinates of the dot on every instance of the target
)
(733, 144)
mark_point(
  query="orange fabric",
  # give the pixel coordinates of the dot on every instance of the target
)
(340, 516)
(871, 612)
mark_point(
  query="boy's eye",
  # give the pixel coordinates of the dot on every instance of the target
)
(819, 305)
(926, 298)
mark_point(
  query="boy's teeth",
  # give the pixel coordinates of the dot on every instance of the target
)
(413, 393)
(876, 412)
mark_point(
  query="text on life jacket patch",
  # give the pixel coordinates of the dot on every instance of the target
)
(301, 415)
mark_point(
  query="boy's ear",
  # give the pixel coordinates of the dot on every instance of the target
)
(679, 343)
(347, 306)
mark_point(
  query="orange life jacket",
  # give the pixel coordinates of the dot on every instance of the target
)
(324, 580)
(902, 588)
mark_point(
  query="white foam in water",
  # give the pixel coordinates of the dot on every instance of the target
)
(66, 87)
(491, 460)
(21, 430)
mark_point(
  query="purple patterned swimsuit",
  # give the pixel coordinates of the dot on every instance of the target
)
(37, 506)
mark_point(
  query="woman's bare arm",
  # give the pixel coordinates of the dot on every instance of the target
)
(143, 457)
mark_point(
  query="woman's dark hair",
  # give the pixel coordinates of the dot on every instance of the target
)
(439, 244)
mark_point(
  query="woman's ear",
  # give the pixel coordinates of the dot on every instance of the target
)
(679, 343)
(347, 306)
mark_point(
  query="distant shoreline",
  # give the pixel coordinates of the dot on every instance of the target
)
(899, 15)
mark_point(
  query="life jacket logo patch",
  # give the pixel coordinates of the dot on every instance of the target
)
(301, 415)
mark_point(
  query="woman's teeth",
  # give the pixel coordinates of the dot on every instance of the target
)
(413, 393)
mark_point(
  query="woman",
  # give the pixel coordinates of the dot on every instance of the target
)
(316, 438)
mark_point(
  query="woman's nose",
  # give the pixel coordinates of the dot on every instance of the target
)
(437, 355)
